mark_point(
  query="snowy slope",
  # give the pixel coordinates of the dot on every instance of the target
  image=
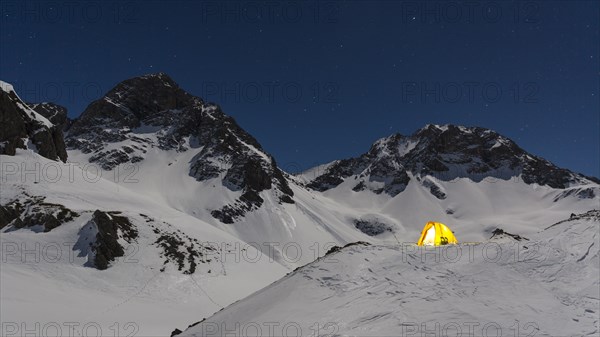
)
(472, 210)
(470, 178)
(215, 219)
(545, 286)
(282, 230)
(133, 289)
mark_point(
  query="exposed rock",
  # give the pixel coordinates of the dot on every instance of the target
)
(33, 211)
(498, 233)
(249, 201)
(434, 188)
(359, 187)
(13, 124)
(7, 215)
(581, 193)
(180, 249)
(338, 248)
(446, 153)
(372, 227)
(591, 215)
(153, 102)
(110, 228)
(55, 113)
(20, 124)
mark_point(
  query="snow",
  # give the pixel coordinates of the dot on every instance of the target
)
(547, 286)
(283, 236)
(6, 87)
(133, 289)
(118, 105)
(364, 291)
(436, 126)
(477, 207)
(209, 112)
(278, 229)
(406, 147)
(252, 148)
(314, 172)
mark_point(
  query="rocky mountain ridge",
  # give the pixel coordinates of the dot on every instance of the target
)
(445, 152)
(22, 127)
(153, 112)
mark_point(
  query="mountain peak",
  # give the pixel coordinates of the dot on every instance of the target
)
(159, 74)
(156, 84)
(158, 78)
(6, 87)
(446, 152)
(430, 126)
(153, 99)
(151, 113)
(436, 129)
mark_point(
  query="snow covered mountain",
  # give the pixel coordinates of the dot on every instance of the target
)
(107, 256)
(153, 112)
(80, 249)
(137, 220)
(544, 285)
(472, 178)
(158, 202)
(446, 153)
(171, 136)
(191, 156)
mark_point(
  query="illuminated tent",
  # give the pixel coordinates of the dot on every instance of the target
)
(436, 234)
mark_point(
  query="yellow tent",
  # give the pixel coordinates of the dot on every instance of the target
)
(436, 234)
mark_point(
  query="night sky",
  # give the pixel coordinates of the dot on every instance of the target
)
(318, 81)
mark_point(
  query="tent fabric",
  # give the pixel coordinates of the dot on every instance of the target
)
(436, 234)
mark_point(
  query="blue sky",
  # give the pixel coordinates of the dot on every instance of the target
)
(318, 81)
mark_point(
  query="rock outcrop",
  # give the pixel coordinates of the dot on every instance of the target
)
(23, 128)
